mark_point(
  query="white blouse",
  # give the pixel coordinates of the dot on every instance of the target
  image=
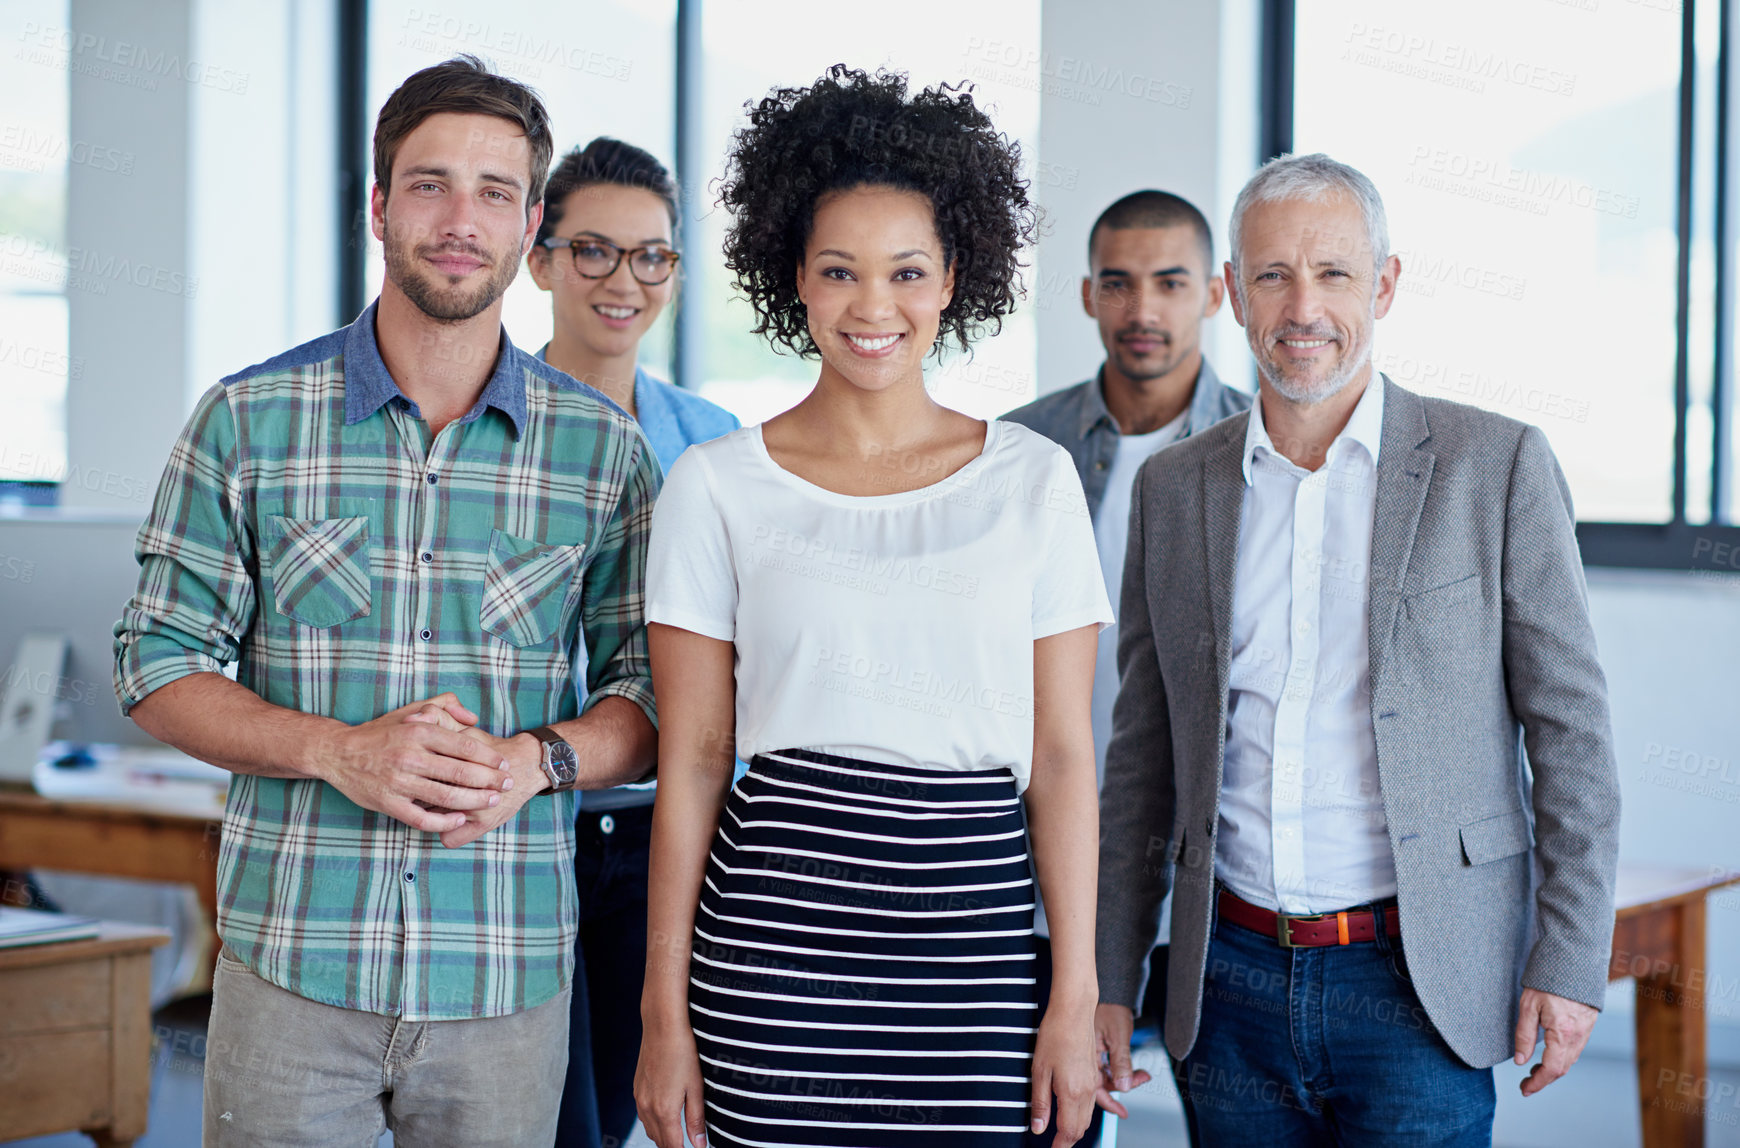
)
(896, 628)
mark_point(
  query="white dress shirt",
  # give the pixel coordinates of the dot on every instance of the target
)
(1302, 826)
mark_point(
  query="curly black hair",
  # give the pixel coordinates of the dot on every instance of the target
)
(849, 129)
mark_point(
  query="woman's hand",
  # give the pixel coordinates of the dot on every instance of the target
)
(692, 678)
(1065, 1066)
(667, 1086)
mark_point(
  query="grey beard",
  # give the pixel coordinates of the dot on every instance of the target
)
(1332, 386)
(1311, 396)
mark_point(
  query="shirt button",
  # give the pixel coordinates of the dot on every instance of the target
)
(1100, 464)
(427, 557)
(1303, 627)
(433, 479)
(411, 877)
(425, 633)
(607, 824)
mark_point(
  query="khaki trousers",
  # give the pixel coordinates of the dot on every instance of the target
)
(285, 1072)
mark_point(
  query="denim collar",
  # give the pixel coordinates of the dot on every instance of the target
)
(368, 386)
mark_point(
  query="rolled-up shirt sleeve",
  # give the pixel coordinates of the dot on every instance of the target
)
(613, 618)
(195, 600)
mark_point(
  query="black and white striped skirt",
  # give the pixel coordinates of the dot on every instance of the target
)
(863, 958)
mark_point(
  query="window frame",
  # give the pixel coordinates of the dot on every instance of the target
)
(353, 177)
(1677, 544)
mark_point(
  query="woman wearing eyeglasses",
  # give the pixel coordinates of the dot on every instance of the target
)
(604, 253)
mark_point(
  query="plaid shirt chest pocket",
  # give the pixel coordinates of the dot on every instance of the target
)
(319, 568)
(527, 587)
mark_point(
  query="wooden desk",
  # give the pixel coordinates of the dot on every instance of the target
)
(114, 840)
(75, 1036)
(1658, 939)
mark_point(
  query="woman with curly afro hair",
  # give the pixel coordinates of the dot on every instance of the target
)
(890, 610)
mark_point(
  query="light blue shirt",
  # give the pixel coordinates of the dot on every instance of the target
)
(673, 420)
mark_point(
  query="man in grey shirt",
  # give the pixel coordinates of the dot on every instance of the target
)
(1150, 286)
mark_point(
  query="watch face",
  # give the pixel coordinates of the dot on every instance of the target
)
(564, 761)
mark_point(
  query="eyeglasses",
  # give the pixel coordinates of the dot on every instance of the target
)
(599, 259)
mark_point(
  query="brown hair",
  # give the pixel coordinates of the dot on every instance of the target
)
(465, 85)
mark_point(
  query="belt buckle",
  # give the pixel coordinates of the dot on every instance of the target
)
(1284, 927)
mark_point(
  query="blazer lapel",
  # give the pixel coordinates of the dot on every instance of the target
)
(1404, 474)
(1223, 493)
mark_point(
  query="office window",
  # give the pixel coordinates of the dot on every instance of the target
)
(752, 46)
(1528, 158)
(35, 150)
(606, 67)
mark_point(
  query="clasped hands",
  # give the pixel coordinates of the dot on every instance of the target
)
(428, 765)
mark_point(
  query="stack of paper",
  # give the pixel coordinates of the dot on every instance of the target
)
(35, 927)
(163, 779)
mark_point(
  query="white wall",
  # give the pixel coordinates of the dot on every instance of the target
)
(1670, 643)
(217, 249)
(1137, 94)
(127, 233)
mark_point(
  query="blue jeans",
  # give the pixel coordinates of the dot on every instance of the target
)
(611, 850)
(1301, 1048)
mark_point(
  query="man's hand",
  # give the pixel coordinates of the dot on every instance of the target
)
(416, 764)
(1112, 1027)
(1567, 1024)
(520, 756)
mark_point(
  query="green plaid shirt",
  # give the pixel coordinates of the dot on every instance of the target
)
(308, 529)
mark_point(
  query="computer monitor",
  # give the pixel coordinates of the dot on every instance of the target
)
(70, 572)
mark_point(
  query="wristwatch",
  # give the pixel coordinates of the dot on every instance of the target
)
(559, 761)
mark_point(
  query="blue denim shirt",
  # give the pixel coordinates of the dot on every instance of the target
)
(673, 420)
(1076, 419)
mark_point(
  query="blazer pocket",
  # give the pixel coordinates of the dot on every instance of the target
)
(526, 588)
(320, 569)
(1440, 599)
(1497, 837)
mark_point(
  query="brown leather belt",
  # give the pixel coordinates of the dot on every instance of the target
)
(1348, 927)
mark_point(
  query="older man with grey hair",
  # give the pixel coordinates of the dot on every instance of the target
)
(1318, 747)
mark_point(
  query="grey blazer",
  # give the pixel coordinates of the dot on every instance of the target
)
(1480, 647)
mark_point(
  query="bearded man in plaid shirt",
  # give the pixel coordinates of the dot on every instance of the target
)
(420, 547)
